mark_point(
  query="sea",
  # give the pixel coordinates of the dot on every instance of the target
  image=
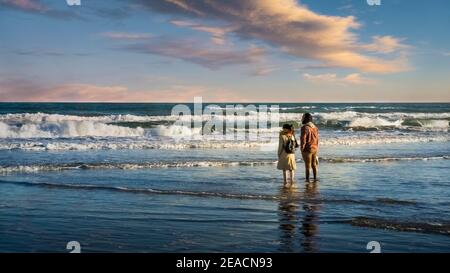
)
(118, 177)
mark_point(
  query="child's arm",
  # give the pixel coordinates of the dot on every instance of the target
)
(302, 138)
(296, 143)
(280, 146)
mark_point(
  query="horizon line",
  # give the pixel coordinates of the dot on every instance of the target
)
(216, 102)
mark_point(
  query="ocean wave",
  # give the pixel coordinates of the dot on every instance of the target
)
(383, 159)
(366, 122)
(40, 125)
(434, 123)
(67, 129)
(406, 121)
(375, 139)
(55, 118)
(206, 194)
(127, 144)
(391, 201)
(190, 164)
(422, 227)
(325, 116)
(349, 115)
(297, 107)
(280, 108)
(74, 129)
(129, 166)
(175, 131)
(206, 142)
(144, 190)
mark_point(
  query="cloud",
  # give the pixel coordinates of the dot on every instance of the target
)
(385, 44)
(48, 53)
(295, 30)
(217, 33)
(119, 11)
(25, 5)
(351, 79)
(116, 13)
(446, 54)
(125, 35)
(38, 7)
(195, 52)
(22, 90)
(263, 71)
(314, 66)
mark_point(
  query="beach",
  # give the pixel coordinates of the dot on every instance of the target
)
(113, 178)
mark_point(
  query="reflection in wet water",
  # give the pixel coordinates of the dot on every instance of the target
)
(299, 228)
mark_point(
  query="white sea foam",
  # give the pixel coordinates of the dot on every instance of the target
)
(130, 166)
(434, 123)
(352, 140)
(55, 118)
(166, 143)
(338, 116)
(116, 144)
(66, 129)
(423, 121)
(367, 122)
(394, 116)
(297, 107)
(42, 125)
(192, 164)
(175, 131)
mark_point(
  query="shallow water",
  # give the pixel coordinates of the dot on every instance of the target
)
(226, 198)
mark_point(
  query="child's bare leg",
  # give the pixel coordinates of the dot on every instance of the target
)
(307, 159)
(314, 166)
(284, 178)
(307, 166)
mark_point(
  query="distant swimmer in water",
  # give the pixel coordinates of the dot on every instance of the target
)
(309, 145)
(286, 154)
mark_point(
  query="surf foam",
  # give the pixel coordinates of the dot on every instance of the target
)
(67, 129)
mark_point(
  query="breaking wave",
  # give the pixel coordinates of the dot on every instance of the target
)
(67, 129)
(207, 143)
(190, 164)
(175, 131)
(399, 120)
(42, 131)
(344, 118)
(129, 166)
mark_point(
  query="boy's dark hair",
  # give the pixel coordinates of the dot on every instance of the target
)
(307, 117)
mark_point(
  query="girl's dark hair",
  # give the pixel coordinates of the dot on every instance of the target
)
(307, 117)
(287, 126)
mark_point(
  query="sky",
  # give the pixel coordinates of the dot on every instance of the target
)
(224, 51)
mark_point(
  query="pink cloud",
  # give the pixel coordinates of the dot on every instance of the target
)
(126, 35)
(25, 91)
(217, 33)
(296, 30)
(26, 5)
(196, 52)
(350, 79)
(385, 44)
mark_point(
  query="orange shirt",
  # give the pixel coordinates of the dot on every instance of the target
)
(309, 138)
